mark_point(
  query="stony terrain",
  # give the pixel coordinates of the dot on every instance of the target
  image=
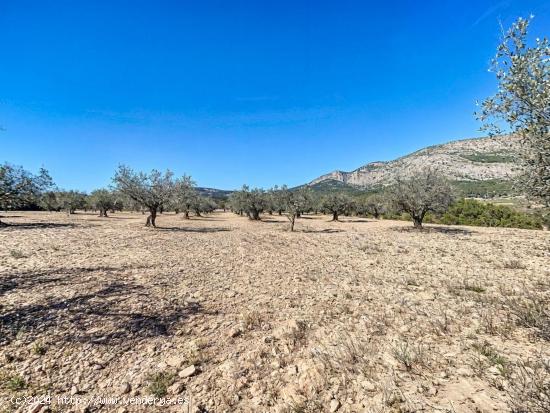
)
(463, 160)
(242, 316)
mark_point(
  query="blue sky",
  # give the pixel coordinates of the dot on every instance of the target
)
(240, 92)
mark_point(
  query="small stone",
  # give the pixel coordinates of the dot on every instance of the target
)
(176, 388)
(464, 371)
(175, 361)
(124, 388)
(334, 405)
(98, 367)
(188, 371)
(74, 390)
(368, 386)
(235, 332)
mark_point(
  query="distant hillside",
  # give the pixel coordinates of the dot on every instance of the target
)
(483, 166)
(213, 192)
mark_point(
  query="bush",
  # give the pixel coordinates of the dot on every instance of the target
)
(472, 212)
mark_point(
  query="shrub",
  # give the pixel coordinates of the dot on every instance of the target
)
(472, 212)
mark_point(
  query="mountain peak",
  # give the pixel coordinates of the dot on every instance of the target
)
(477, 159)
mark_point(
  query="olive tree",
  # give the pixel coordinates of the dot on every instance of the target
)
(102, 200)
(252, 202)
(374, 205)
(72, 200)
(20, 188)
(522, 102)
(152, 191)
(295, 203)
(186, 197)
(426, 192)
(336, 204)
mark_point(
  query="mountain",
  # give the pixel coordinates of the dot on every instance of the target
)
(480, 166)
(213, 192)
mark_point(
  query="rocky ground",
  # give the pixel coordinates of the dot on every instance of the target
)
(240, 316)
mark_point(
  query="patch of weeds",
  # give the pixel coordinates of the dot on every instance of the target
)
(494, 359)
(15, 383)
(159, 383)
(17, 254)
(476, 288)
(514, 265)
(412, 282)
(252, 320)
(410, 355)
(39, 348)
(442, 325)
(532, 311)
(347, 355)
(529, 390)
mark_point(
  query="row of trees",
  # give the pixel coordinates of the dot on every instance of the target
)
(157, 191)
(154, 192)
(426, 192)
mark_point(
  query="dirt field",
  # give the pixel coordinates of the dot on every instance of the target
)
(241, 316)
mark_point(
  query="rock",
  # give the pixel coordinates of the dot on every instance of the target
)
(124, 388)
(188, 371)
(234, 332)
(334, 405)
(464, 371)
(368, 386)
(74, 390)
(176, 388)
(175, 361)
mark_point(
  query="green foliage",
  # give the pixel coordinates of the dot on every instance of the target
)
(472, 212)
(522, 102)
(19, 188)
(336, 204)
(426, 192)
(252, 202)
(489, 158)
(102, 200)
(484, 189)
(70, 201)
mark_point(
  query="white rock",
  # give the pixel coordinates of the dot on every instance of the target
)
(334, 405)
(124, 388)
(188, 371)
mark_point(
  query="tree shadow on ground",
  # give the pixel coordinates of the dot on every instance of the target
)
(192, 229)
(356, 220)
(440, 230)
(194, 218)
(322, 231)
(31, 225)
(25, 280)
(116, 314)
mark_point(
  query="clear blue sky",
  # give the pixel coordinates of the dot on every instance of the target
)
(238, 92)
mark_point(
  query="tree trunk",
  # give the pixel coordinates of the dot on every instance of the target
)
(186, 215)
(335, 216)
(298, 214)
(417, 221)
(292, 220)
(198, 213)
(151, 218)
